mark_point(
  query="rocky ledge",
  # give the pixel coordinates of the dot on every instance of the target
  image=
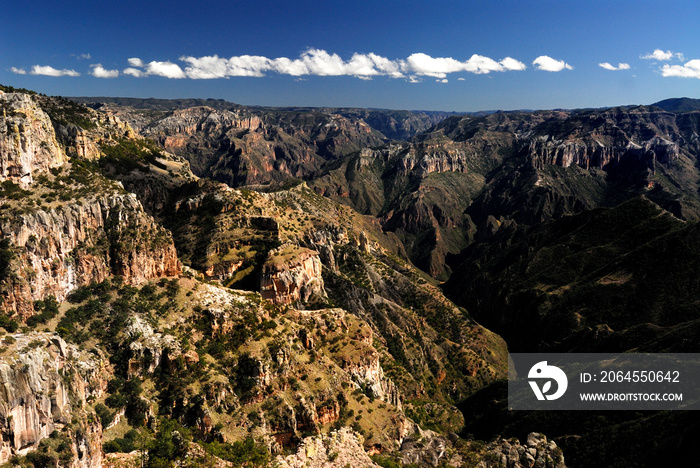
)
(44, 388)
(72, 245)
(292, 274)
(27, 140)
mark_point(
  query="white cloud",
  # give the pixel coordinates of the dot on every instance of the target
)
(546, 63)
(662, 56)
(51, 71)
(319, 62)
(133, 72)
(18, 71)
(211, 67)
(510, 63)
(620, 66)
(383, 65)
(312, 62)
(99, 72)
(206, 67)
(423, 64)
(166, 69)
(83, 57)
(479, 64)
(690, 70)
(444, 80)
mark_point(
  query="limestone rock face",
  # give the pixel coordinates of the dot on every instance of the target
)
(592, 153)
(148, 348)
(341, 448)
(243, 147)
(44, 385)
(366, 371)
(28, 143)
(186, 122)
(291, 274)
(324, 242)
(426, 448)
(75, 244)
(79, 142)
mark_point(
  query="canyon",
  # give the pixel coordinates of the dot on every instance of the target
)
(195, 278)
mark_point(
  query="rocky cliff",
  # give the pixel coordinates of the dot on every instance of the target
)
(243, 147)
(28, 143)
(438, 191)
(45, 385)
(76, 244)
(341, 448)
(70, 227)
(292, 275)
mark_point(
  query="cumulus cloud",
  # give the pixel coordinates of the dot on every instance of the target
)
(211, 67)
(439, 67)
(319, 62)
(383, 65)
(83, 56)
(510, 63)
(18, 71)
(100, 72)
(546, 63)
(423, 64)
(690, 70)
(165, 69)
(662, 56)
(51, 71)
(620, 66)
(133, 72)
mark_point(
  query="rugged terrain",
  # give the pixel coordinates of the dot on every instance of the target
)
(197, 282)
(223, 324)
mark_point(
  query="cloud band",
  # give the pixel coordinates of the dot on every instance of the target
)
(319, 62)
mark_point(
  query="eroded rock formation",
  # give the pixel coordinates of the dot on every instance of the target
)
(44, 387)
(292, 274)
(27, 140)
(78, 243)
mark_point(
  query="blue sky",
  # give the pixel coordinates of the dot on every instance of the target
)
(438, 55)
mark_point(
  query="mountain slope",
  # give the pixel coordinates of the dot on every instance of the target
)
(130, 258)
(679, 105)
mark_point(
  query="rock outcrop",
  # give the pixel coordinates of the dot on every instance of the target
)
(149, 349)
(44, 387)
(340, 448)
(594, 153)
(292, 274)
(27, 140)
(242, 147)
(78, 243)
(537, 451)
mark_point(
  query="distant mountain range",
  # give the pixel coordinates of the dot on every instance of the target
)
(679, 105)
